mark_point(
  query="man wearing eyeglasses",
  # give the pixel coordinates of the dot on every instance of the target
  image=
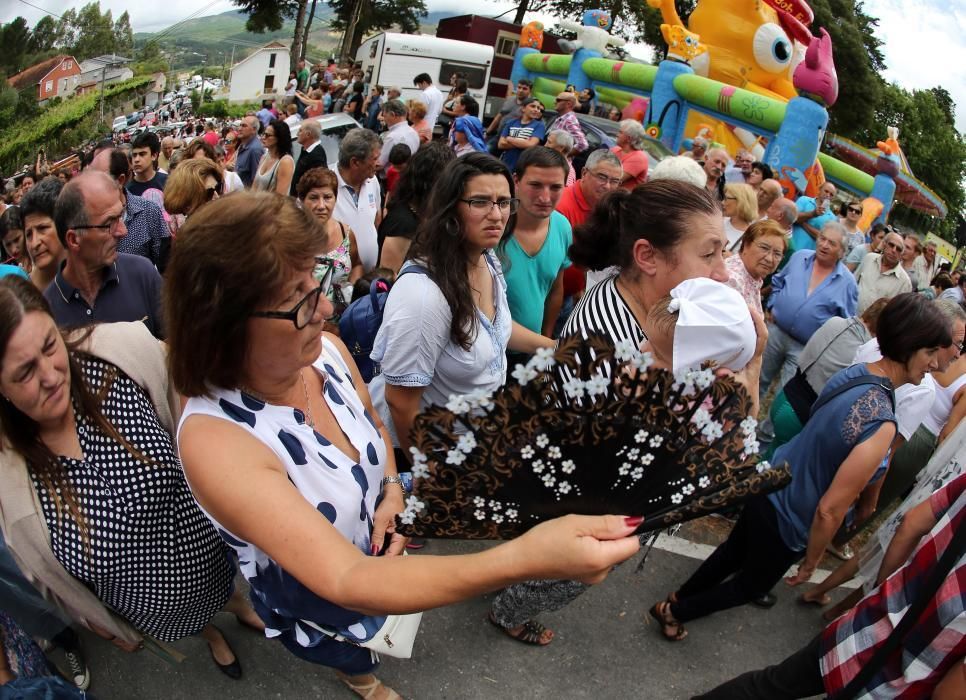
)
(880, 276)
(96, 283)
(813, 214)
(601, 174)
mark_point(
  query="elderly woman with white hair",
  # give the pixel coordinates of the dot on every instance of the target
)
(563, 143)
(630, 150)
(680, 168)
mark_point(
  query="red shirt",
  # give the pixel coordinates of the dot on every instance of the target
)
(635, 164)
(574, 206)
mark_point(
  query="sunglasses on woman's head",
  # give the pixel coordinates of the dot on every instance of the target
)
(210, 192)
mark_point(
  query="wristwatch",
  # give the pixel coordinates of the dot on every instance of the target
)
(393, 480)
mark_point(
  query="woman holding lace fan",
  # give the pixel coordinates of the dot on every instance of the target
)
(834, 460)
(284, 452)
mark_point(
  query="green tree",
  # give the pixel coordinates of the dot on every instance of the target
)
(362, 17)
(149, 60)
(45, 35)
(270, 15)
(652, 24)
(14, 45)
(95, 33)
(67, 30)
(123, 35)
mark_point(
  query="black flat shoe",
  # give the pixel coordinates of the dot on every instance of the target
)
(232, 670)
(766, 601)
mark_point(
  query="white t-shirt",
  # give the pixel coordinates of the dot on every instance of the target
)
(434, 104)
(358, 211)
(913, 401)
(291, 87)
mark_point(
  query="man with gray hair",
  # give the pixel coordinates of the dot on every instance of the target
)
(630, 151)
(715, 162)
(96, 283)
(563, 143)
(250, 149)
(880, 275)
(784, 212)
(394, 113)
(312, 155)
(358, 203)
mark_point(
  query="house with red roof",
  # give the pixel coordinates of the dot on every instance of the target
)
(55, 77)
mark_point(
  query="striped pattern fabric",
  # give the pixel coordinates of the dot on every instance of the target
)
(938, 639)
(603, 310)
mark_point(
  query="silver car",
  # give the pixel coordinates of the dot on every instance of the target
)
(334, 127)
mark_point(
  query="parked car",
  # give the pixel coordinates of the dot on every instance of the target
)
(135, 118)
(150, 119)
(602, 133)
(334, 128)
(120, 124)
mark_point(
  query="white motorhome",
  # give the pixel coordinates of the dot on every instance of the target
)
(395, 59)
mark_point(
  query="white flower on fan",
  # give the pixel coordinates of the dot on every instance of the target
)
(413, 506)
(542, 360)
(597, 384)
(414, 503)
(625, 469)
(684, 382)
(763, 467)
(466, 443)
(564, 487)
(479, 514)
(495, 505)
(676, 498)
(712, 430)
(749, 425)
(703, 378)
(701, 418)
(479, 502)
(704, 482)
(455, 457)
(574, 388)
(553, 452)
(687, 490)
(549, 480)
(657, 441)
(751, 447)
(407, 517)
(568, 466)
(542, 440)
(538, 466)
(417, 456)
(511, 514)
(640, 436)
(527, 452)
(457, 404)
(637, 473)
(524, 374)
(634, 453)
(642, 360)
(497, 518)
(419, 470)
(480, 398)
(647, 459)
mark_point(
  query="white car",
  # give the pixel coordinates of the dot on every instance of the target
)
(120, 124)
(334, 127)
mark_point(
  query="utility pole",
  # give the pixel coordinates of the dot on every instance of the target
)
(103, 78)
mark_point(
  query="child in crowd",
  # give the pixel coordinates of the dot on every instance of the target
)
(399, 156)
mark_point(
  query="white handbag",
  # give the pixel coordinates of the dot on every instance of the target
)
(396, 636)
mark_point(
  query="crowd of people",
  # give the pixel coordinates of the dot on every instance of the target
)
(140, 477)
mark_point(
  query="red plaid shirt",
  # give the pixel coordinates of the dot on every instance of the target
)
(935, 642)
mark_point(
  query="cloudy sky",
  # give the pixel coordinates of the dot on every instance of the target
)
(916, 33)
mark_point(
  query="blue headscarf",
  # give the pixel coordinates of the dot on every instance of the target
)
(472, 127)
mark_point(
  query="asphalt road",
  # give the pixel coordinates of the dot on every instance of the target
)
(606, 646)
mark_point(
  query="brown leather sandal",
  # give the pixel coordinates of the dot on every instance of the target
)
(672, 629)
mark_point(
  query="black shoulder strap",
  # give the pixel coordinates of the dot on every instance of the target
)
(870, 379)
(936, 577)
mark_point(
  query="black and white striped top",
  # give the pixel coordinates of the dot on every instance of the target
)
(603, 310)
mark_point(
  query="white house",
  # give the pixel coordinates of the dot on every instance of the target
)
(261, 74)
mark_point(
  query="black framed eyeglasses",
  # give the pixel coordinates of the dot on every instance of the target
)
(304, 311)
(109, 225)
(483, 206)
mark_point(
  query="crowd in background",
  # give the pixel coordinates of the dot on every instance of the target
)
(239, 241)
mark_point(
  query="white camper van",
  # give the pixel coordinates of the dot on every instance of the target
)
(395, 59)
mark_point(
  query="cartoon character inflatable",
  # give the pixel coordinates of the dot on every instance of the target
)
(682, 45)
(531, 36)
(592, 34)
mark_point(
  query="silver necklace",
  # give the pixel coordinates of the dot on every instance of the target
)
(308, 404)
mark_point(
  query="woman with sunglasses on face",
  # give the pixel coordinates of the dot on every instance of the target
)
(284, 452)
(317, 191)
(93, 502)
(277, 165)
(856, 236)
(200, 149)
(446, 331)
(193, 183)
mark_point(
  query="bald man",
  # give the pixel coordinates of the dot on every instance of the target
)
(147, 233)
(167, 148)
(769, 192)
(96, 283)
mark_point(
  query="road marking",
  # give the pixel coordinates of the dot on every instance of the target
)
(687, 548)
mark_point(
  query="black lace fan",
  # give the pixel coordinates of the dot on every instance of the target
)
(590, 430)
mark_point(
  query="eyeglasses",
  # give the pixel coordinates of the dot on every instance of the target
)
(604, 180)
(110, 225)
(484, 206)
(303, 312)
(767, 251)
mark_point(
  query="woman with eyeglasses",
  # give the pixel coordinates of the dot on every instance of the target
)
(277, 166)
(760, 250)
(282, 447)
(194, 183)
(446, 325)
(317, 191)
(93, 502)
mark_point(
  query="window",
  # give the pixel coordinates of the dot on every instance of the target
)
(475, 74)
(271, 60)
(68, 65)
(506, 46)
(269, 83)
(49, 87)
